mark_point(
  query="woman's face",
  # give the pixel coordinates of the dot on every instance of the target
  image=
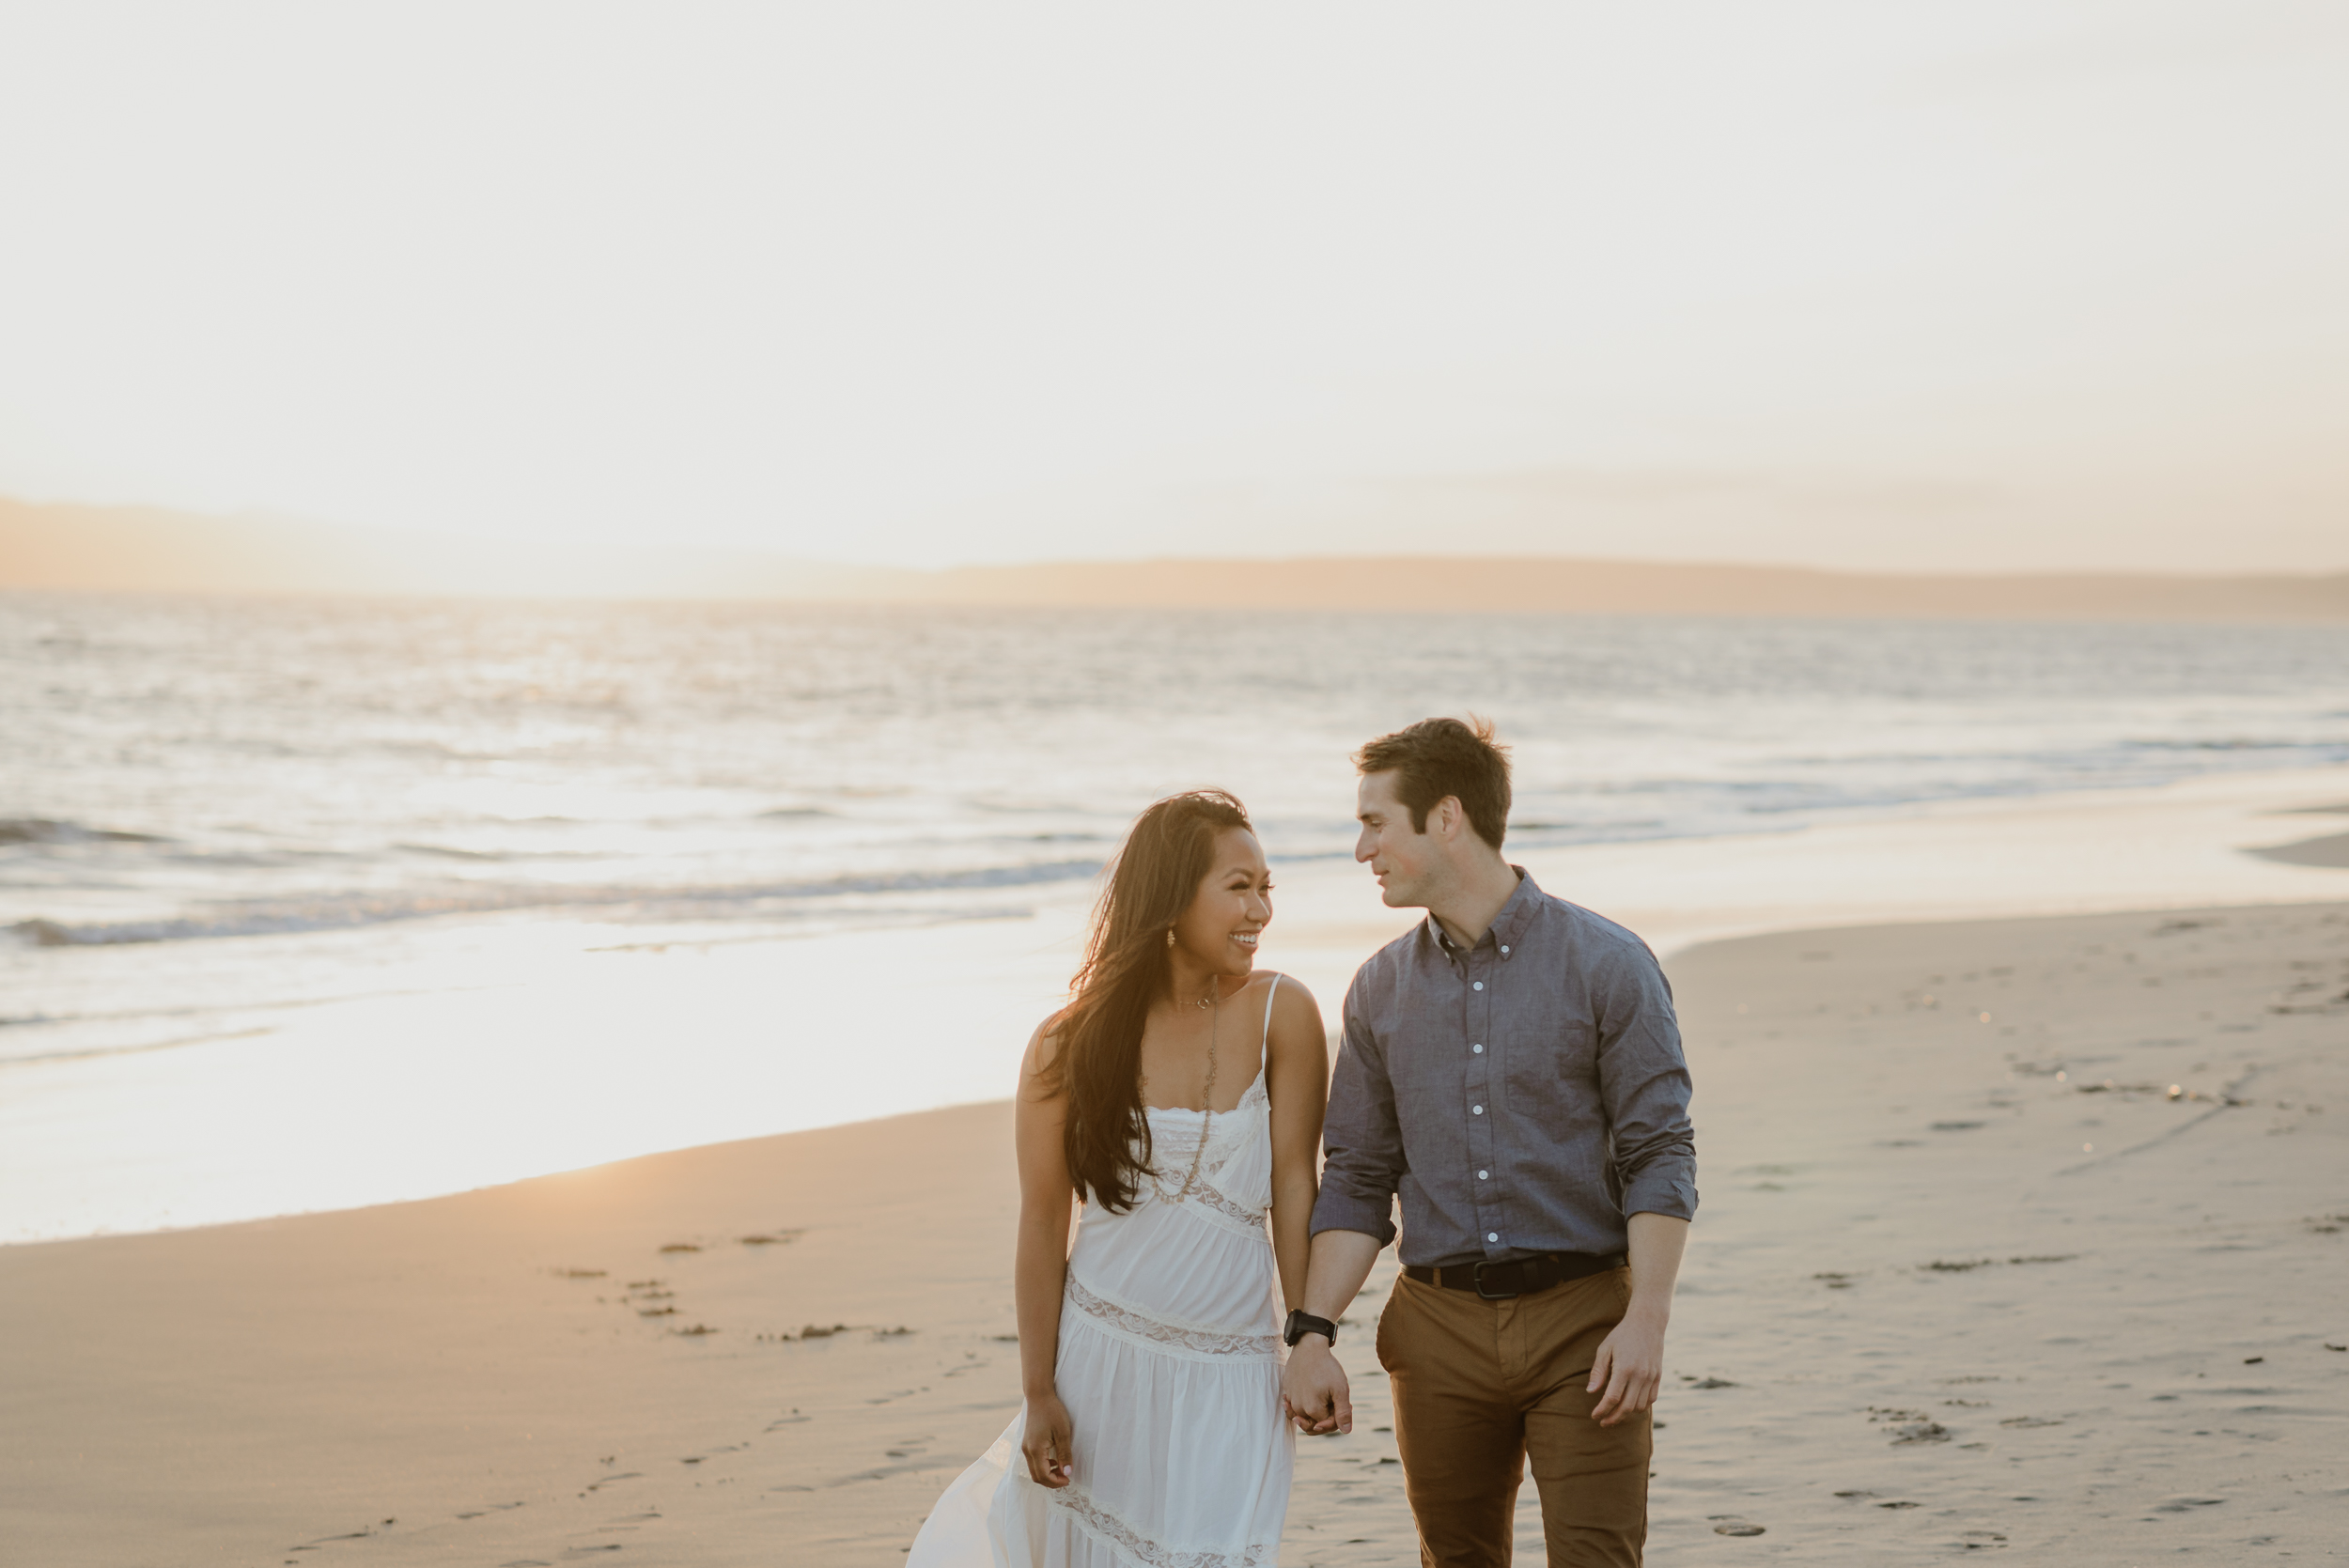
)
(1232, 908)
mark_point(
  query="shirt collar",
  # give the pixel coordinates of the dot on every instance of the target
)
(1508, 925)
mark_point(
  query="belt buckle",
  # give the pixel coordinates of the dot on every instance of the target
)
(1476, 1276)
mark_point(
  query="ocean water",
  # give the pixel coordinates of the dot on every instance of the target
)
(219, 815)
(197, 771)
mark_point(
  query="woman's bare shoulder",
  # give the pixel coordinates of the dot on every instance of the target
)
(1292, 1005)
(1292, 994)
(1043, 1045)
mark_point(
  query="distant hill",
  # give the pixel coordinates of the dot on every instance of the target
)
(1646, 588)
(132, 549)
(144, 550)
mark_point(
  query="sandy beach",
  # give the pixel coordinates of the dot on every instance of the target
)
(2020, 1232)
(593, 600)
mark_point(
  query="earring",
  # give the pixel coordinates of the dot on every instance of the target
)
(1170, 936)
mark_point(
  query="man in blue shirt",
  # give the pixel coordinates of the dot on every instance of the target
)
(1511, 1069)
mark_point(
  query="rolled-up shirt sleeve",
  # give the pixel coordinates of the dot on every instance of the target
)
(1643, 1081)
(1361, 1141)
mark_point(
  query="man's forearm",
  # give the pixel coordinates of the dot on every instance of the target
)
(1657, 1241)
(1338, 1263)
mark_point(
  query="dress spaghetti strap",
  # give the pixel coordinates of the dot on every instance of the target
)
(1264, 1050)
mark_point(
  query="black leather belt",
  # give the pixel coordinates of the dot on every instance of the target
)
(1499, 1281)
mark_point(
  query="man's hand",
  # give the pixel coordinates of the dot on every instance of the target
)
(1630, 1367)
(1045, 1442)
(1313, 1389)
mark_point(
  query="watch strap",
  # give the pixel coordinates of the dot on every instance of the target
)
(1301, 1323)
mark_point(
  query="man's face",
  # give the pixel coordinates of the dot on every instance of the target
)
(1403, 860)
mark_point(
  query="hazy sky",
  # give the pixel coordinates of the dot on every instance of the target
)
(1982, 285)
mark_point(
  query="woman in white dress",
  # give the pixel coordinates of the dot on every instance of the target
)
(1178, 1098)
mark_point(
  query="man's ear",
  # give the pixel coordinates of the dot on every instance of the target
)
(1446, 818)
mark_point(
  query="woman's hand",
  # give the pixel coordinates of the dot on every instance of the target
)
(1045, 1441)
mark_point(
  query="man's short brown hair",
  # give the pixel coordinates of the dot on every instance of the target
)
(1439, 757)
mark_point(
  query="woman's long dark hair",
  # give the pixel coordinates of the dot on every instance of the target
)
(1099, 1064)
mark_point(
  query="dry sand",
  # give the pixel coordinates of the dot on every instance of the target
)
(1969, 1276)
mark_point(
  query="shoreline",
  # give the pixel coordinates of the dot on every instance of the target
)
(545, 1066)
(1920, 1316)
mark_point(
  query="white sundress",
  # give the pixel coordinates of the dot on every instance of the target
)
(1170, 1366)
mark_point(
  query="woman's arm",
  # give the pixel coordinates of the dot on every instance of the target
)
(1040, 1263)
(1298, 1079)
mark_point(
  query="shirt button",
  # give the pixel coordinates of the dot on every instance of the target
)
(1480, 985)
(1478, 1050)
(1505, 950)
(1476, 1110)
(1484, 1175)
(1492, 1236)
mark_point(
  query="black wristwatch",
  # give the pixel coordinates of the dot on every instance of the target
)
(1302, 1322)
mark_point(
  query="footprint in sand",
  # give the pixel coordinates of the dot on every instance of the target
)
(673, 1247)
(1910, 1426)
(1730, 1524)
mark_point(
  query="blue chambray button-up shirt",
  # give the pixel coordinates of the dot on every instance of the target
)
(1522, 1096)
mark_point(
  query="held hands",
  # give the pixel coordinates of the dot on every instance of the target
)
(1313, 1389)
(1630, 1367)
(1045, 1442)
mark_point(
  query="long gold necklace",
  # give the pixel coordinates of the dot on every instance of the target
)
(1213, 1002)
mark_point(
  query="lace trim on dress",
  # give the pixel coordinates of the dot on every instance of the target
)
(1204, 1341)
(1223, 1206)
(1098, 1521)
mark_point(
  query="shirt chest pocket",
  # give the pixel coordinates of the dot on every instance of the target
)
(1547, 1071)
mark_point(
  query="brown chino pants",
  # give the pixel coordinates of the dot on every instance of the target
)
(1480, 1385)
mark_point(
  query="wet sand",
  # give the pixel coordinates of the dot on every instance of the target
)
(1969, 1275)
(498, 1049)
